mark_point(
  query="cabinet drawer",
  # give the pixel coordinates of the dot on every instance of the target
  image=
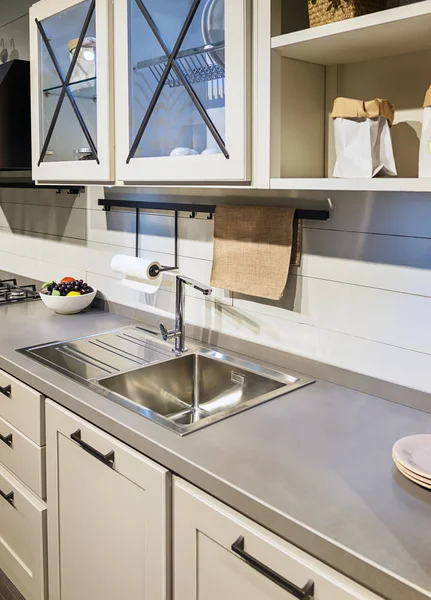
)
(23, 457)
(22, 537)
(23, 407)
(218, 553)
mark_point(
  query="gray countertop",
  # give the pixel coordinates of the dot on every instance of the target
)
(313, 466)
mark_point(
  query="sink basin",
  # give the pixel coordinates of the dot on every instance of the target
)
(133, 366)
(194, 390)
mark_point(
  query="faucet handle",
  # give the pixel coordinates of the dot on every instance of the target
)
(164, 332)
(167, 334)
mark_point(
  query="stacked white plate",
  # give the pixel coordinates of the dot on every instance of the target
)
(412, 456)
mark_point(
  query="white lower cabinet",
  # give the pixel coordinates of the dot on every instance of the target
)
(107, 515)
(219, 554)
(22, 537)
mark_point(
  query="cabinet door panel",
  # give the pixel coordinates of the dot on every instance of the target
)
(107, 524)
(71, 131)
(207, 568)
(184, 119)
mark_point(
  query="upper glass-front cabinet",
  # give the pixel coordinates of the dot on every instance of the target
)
(71, 91)
(181, 90)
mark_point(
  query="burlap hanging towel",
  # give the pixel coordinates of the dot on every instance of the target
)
(253, 249)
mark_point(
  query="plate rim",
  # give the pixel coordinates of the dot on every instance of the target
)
(396, 453)
(422, 484)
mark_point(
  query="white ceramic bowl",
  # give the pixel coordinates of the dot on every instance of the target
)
(68, 305)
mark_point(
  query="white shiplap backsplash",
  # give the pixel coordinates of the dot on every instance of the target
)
(361, 299)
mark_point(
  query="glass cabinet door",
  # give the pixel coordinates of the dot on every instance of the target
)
(70, 90)
(181, 90)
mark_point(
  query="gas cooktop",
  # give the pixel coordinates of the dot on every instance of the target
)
(10, 292)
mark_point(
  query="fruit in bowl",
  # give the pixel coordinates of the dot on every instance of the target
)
(68, 297)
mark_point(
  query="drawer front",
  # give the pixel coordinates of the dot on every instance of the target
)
(218, 553)
(22, 537)
(23, 457)
(23, 407)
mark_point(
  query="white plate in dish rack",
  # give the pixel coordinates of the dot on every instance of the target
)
(414, 454)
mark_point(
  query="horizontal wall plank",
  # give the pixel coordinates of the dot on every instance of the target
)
(36, 269)
(113, 227)
(379, 212)
(42, 197)
(62, 222)
(369, 313)
(394, 263)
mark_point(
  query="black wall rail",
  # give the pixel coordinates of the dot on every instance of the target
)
(107, 204)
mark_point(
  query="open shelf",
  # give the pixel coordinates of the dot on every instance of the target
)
(382, 55)
(377, 184)
(404, 29)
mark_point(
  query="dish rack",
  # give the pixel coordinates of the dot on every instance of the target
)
(199, 65)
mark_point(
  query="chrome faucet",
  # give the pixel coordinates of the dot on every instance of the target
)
(179, 332)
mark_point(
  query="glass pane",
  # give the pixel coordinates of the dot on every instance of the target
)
(68, 142)
(63, 30)
(176, 127)
(169, 17)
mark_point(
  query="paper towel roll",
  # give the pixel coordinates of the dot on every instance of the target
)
(137, 273)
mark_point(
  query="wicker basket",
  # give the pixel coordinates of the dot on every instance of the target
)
(329, 11)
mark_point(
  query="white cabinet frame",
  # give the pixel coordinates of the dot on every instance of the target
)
(203, 168)
(76, 171)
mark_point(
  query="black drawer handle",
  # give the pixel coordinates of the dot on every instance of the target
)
(7, 497)
(107, 459)
(6, 390)
(6, 439)
(305, 593)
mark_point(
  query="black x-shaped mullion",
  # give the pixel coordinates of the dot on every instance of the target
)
(65, 81)
(171, 63)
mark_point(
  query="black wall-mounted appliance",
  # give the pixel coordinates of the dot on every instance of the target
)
(15, 120)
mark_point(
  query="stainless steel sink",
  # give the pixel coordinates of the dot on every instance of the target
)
(133, 367)
(193, 388)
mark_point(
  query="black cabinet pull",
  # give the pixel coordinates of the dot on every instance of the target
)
(305, 593)
(107, 459)
(6, 439)
(6, 390)
(7, 497)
